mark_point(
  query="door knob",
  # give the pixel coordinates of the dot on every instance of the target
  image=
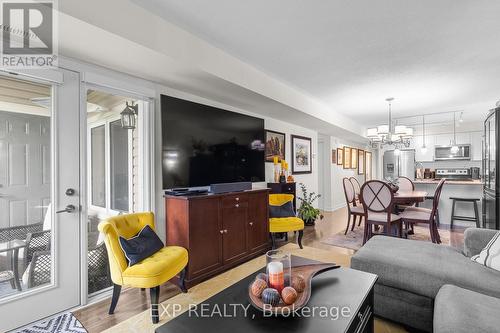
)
(251, 223)
(221, 231)
(225, 231)
(68, 209)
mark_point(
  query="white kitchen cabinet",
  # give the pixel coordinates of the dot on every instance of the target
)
(428, 156)
(447, 139)
(477, 146)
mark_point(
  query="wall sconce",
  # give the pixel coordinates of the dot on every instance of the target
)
(128, 115)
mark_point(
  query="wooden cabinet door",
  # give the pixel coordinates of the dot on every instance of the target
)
(234, 240)
(257, 223)
(205, 236)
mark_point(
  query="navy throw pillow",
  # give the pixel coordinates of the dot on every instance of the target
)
(285, 210)
(143, 245)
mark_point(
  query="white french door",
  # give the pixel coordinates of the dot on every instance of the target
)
(40, 194)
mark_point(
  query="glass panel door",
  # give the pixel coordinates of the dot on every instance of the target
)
(39, 222)
(114, 185)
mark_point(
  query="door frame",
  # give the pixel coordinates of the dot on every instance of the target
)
(146, 135)
(55, 78)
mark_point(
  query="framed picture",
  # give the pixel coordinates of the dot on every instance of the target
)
(275, 145)
(368, 166)
(334, 156)
(361, 162)
(354, 158)
(301, 155)
(347, 157)
(340, 156)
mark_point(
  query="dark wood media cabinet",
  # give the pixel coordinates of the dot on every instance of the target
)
(219, 231)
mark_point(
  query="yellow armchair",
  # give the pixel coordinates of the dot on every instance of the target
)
(284, 224)
(150, 272)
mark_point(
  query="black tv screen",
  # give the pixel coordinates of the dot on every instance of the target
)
(204, 145)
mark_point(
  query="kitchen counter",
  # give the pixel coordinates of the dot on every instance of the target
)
(449, 182)
(453, 188)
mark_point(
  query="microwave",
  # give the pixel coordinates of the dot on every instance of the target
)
(444, 153)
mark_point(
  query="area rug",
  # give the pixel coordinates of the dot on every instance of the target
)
(63, 323)
(354, 239)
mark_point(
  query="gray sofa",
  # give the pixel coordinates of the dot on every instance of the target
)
(412, 273)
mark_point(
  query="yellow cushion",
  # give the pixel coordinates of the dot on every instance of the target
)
(279, 199)
(157, 269)
(284, 224)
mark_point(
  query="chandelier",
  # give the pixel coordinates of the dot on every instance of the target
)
(388, 135)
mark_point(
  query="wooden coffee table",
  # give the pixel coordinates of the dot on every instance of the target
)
(334, 291)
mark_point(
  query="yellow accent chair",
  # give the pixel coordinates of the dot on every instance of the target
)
(284, 224)
(150, 272)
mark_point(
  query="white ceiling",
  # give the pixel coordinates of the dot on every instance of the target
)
(432, 56)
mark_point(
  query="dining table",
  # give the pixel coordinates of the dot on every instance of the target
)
(409, 197)
(14, 246)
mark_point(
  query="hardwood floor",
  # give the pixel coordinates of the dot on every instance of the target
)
(95, 317)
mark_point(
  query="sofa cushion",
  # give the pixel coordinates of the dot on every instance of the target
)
(423, 267)
(490, 255)
(458, 310)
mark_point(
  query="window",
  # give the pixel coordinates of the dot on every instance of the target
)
(119, 166)
(110, 167)
(98, 166)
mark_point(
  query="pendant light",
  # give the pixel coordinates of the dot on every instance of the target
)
(454, 148)
(128, 114)
(423, 149)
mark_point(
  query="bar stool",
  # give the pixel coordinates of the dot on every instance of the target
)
(475, 218)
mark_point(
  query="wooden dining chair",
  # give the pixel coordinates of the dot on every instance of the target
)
(405, 184)
(356, 185)
(414, 215)
(354, 208)
(378, 202)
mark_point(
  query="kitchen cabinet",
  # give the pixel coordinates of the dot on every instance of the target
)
(476, 146)
(427, 156)
(219, 231)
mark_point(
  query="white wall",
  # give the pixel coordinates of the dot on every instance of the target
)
(338, 172)
(310, 180)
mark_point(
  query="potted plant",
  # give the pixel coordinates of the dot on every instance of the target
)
(306, 210)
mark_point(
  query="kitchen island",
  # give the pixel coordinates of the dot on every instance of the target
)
(453, 188)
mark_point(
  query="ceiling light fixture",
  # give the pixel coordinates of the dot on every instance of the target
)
(423, 149)
(454, 148)
(386, 135)
(128, 114)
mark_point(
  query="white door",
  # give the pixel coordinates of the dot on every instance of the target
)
(39, 176)
(321, 174)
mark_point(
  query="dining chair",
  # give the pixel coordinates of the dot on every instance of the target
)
(378, 203)
(415, 215)
(405, 184)
(356, 185)
(354, 208)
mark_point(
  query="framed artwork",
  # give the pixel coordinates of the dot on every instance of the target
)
(361, 162)
(275, 145)
(301, 155)
(354, 158)
(347, 157)
(340, 156)
(368, 166)
(334, 156)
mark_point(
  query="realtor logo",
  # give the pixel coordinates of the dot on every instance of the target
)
(28, 32)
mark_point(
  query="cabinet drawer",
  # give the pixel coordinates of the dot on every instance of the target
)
(235, 201)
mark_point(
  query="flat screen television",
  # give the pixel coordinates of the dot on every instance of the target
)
(204, 145)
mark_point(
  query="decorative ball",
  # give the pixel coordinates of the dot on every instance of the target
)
(289, 295)
(298, 283)
(258, 287)
(262, 276)
(271, 296)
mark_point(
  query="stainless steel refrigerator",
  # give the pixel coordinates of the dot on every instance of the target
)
(399, 165)
(491, 161)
